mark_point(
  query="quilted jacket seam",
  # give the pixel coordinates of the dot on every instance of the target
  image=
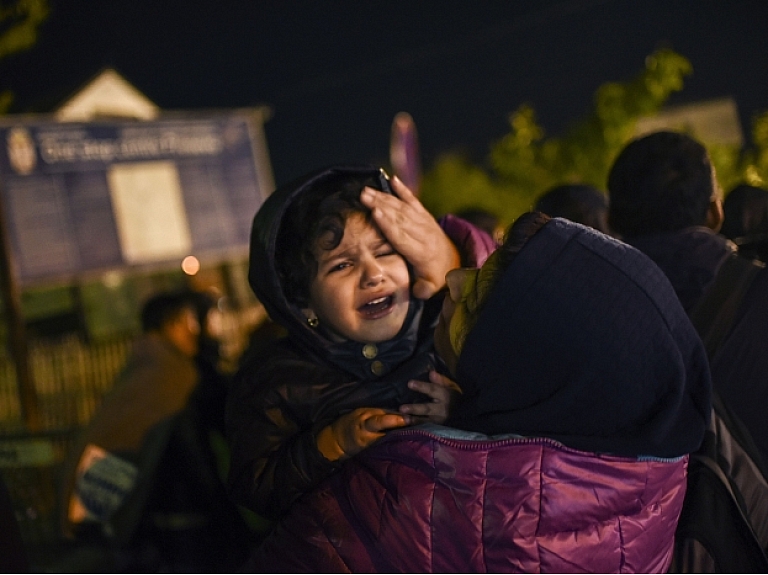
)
(482, 511)
(432, 509)
(539, 515)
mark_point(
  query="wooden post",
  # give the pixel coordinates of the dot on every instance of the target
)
(17, 336)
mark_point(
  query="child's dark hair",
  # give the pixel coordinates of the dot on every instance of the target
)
(318, 215)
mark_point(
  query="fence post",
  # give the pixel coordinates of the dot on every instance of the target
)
(17, 337)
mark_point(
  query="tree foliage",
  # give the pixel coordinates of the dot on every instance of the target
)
(524, 163)
(19, 23)
(754, 165)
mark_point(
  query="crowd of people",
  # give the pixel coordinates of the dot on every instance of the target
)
(432, 395)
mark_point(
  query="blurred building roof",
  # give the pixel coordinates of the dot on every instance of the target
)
(108, 95)
(711, 121)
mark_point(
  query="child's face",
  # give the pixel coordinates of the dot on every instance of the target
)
(362, 287)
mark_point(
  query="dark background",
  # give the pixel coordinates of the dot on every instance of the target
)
(335, 73)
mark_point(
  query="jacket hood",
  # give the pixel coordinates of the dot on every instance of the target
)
(584, 340)
(265, 282)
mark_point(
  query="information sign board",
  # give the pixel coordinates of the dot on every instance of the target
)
(84, 197)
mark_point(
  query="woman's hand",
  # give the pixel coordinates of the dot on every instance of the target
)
(356, 430)
(441, 389)
(415, 234)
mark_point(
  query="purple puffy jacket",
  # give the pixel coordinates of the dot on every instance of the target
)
(434, 500)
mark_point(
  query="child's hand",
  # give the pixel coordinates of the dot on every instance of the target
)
(415, 234)
(354, 431)
(441, 389)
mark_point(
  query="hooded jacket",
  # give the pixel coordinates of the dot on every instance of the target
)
(283, 397)
(439, 499)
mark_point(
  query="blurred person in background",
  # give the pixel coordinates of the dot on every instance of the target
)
(578, 203)
(746, 220)
(141, 480)
(664, 199)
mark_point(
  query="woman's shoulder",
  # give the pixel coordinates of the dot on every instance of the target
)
(473, 243)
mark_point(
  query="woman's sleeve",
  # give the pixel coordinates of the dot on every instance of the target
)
(473, 243)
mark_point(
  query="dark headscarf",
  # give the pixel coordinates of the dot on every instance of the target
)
(584, 340)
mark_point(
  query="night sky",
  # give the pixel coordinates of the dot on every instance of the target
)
(335, 73)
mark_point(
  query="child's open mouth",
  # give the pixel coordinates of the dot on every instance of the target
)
(377, 307)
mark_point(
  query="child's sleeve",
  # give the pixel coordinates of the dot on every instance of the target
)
(274, 457)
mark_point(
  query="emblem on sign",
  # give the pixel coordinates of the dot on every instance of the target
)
(21, 151)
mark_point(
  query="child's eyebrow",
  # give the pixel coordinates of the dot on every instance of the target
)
(329, 256)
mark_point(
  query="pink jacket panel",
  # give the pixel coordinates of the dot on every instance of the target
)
(421, 503)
